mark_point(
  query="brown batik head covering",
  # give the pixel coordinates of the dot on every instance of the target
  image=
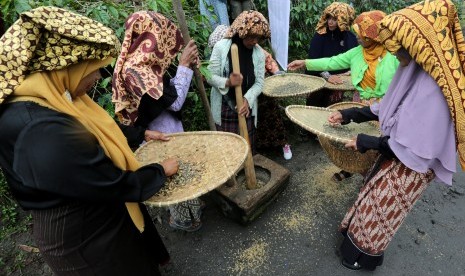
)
(50, 38)
(249, 23)
(151, 42)
(366, 24)
(344, 14)
(430, 32)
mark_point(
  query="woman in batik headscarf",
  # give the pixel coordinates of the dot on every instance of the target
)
(332, 37)
(64, 157)
(425, 99)
(249, 28)
(371, 66)
(147, 97)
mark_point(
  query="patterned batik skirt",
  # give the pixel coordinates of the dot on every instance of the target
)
(230, 123)
(390, 191)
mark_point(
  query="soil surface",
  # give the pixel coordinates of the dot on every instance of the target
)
(297, 233)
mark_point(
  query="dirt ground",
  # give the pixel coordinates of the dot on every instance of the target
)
(297, 233)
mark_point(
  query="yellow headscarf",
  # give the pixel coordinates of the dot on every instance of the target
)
(62, 48)
(366, 26)
(430, 32)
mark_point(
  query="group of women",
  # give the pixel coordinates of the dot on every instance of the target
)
(87, 206)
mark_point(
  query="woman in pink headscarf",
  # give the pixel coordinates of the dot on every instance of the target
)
(144, 94)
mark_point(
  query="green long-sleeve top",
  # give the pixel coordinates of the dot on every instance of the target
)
(354, 60)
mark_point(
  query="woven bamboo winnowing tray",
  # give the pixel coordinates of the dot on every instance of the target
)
(291, 85)
(215, 155)
(333, 139)
(345, 86)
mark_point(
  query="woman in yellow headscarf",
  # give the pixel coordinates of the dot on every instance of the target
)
(64, 157)
(371, 66)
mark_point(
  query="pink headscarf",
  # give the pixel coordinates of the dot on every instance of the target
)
(151, 42)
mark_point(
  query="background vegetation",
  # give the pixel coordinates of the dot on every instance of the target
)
(304, 16)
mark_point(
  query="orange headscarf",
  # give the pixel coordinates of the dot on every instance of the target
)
(366, 27)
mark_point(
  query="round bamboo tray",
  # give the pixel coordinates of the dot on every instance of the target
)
(345, 86)
(207, 160)
(333, 139)
(291, 84)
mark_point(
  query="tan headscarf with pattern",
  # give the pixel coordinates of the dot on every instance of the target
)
(344, 14)
(151, 42)
(430, 32)
(249, 23)
(44, 55)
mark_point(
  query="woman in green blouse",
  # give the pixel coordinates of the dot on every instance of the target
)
(371, 66)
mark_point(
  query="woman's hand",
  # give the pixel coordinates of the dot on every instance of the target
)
(352, 144)
(335, 118)
(190, 55)
(296, 65)
(170, 166)
(235, 79)
(244, 110)
(335, 79)
(155, 135)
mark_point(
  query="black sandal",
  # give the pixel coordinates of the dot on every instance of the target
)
(339, 176)
(354, 266)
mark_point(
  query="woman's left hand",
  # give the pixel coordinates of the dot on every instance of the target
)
(352, 144)
(244, 110)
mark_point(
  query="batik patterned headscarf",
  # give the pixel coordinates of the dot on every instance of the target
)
(366, 24)
(151, 42)
(217, 35)
(249, 23)
(344, 14)
(430, 32)
(50, 38)
(46, 53)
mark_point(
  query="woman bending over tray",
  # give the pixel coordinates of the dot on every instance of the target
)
(421, 118)
(146, 96)
(65, 158)
(371, 66)
(249, 28)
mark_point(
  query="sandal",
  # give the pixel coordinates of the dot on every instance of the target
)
(196, 225)
(339, 176)
(354, 266)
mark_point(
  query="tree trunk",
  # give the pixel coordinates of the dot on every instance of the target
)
(177, 6)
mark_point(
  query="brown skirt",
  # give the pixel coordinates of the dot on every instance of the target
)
(389, 193)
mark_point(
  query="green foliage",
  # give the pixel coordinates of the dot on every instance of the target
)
(11, 222)
(305, 15)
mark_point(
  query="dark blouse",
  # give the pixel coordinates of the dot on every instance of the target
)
(330, 44)
(366, 142)
(49, 158)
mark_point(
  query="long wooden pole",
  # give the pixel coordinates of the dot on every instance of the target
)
(248, 165)
(177, 6)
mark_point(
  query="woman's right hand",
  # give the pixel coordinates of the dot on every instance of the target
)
(235, 79)
(170, 166)
(296, 65)
(335, 118)
(190, 55)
